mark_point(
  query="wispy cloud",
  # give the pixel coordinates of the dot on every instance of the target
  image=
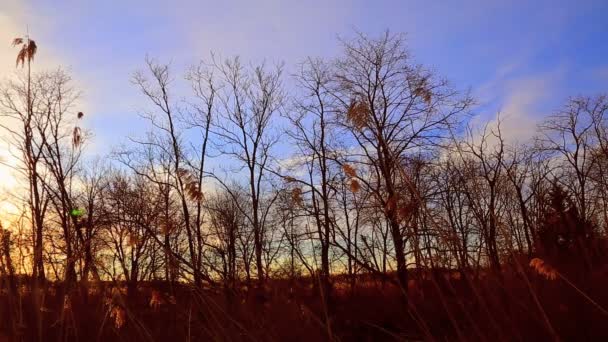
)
(520, 104)
(522, 109)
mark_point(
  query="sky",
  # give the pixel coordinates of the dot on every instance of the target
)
(520, 58)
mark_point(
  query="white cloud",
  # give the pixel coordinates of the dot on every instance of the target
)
(519, 102)
(520, 113)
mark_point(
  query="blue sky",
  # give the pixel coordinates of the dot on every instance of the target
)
(522, 58)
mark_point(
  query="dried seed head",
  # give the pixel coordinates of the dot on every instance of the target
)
(67, 303)
(77, 137)
(544, 269)
(119, 315)
(156, 300)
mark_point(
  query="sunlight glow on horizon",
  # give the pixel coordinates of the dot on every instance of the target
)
(8, 183)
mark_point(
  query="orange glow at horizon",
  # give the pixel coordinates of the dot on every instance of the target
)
(8, 184)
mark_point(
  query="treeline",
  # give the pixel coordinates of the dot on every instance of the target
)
(367, 166)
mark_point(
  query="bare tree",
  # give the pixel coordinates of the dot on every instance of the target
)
(182, 180)
(310, 131)
(226, 224)
(249, 98)
(391, 107)
(20, 101)
(61, 152)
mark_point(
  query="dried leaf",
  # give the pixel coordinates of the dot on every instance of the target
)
(191, 186)
(296, 195)
(133, 240)
(423, 92)
(403, 212)
(21, 56)
(354, 185)
(193, 191)
(167, 228)
(76, 137)
(391, 204)
(31, 50)
(357, 114)
(349, 170)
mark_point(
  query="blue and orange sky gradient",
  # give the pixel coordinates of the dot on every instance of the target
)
(520, 58)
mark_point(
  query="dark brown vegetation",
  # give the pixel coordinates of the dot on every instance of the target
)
(360, 205)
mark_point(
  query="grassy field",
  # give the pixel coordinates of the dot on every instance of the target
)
(441, 305)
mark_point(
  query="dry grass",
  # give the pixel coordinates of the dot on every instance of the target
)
(452, 305)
